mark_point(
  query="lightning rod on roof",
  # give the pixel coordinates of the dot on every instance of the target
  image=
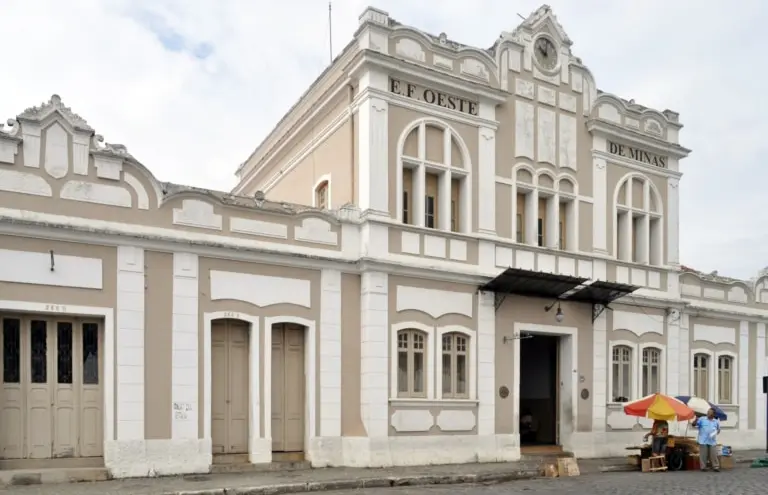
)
(520, 16)
(330, 33)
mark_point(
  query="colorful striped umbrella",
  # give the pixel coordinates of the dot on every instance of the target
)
(701, 406)
(659, 406)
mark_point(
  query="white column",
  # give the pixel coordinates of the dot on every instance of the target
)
(673, 353)
(185, 336)
(486, 368)
(444, 201)
(373, 147)
(672, 221)
(600, 370)
(130, 343)
(761, 370)
(330, 353)
(486, 173)
(552, 235)
(743, 380)
(600, 206)
(419, 194)
(685, 356)
(374, 354)
(531, 217)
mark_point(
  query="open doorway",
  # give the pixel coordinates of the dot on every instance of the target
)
(539, 390)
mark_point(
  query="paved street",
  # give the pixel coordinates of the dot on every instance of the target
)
(740, 481)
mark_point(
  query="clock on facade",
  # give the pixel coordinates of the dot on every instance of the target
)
(545, 52)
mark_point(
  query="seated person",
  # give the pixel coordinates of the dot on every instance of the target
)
(660, 433)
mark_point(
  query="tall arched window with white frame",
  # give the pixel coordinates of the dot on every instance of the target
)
(638, 221)
(434, 180)
(544, 208)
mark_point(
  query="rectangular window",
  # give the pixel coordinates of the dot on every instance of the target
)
(429, 212)
(563, 231)
(411, 378)
(542, 222)
(651, 375)
(455, 217)
(724, 377)
(701, 376)
(405, 207)
(454, 374)
(90, 354)
(520, 219)
(11, 350)
(38, 351)
(540, 234)
(64, 352)
(622, 374)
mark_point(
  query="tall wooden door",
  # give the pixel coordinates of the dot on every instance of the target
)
(230, 397)
(288, 388)
(51, 395)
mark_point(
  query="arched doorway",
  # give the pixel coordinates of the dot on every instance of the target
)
(230, 387)
(288, 414)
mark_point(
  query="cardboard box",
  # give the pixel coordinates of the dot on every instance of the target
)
(633, 460)
(645, 465)
(567, 466)
(726, 462)
(550, 471)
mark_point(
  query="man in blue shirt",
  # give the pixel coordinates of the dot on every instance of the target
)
(709, 428)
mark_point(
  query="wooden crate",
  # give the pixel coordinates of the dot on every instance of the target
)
(567, 466)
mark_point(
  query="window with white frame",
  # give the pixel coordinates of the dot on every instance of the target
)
(545, 208)
(701, 375)
(621, 373)
(725, 379)
(434, 177)
(455, 366)
(321, 195)
(411, 364)
(638, 227)
(651, 371)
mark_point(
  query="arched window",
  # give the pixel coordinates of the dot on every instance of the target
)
(651, 371)
(725, 379)
(701, 375)
(622, 373)
(455, 366)
(545, 209)
(411, 364)
(638, 228)
(434, 185)
(322, 195)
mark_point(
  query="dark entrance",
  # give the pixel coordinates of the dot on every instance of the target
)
(538, 390)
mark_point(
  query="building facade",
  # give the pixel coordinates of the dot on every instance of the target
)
(441, 254)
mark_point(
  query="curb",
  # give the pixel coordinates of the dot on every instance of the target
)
(355, 484)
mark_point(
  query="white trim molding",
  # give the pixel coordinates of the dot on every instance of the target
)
(310, 373)
(259, 451)
(569, 380)
(108, 314)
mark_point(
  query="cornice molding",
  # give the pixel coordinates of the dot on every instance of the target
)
(367, 59)
(611, 130)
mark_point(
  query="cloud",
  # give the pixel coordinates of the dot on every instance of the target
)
(192, 87)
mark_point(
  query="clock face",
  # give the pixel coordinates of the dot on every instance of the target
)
(545, 53)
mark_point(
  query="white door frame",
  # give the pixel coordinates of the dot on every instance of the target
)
(568, 380)
(310, 358)
(108, 314)
(255, 445)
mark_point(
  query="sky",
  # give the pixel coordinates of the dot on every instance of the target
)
(192, 87)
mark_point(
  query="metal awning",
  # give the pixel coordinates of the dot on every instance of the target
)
(532, 284)
(599, 292)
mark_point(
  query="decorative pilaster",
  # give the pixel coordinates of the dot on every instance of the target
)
(743, 361)
(599, 372)
(185, 336)
(486, 368)
(130, 343)
(330, 353)
(600, 206)
(374, 354)
(486, 187)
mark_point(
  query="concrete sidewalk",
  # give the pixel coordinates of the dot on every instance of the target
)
(313, 480)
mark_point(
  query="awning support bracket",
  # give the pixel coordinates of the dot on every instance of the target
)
(597, 310)
(498, 300)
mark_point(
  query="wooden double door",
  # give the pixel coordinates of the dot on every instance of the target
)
(51, 400)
